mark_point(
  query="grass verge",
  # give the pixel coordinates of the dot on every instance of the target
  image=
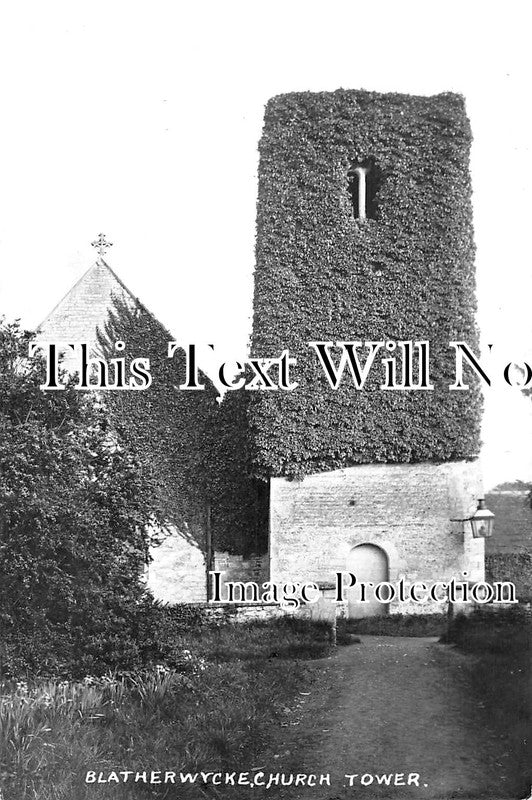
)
(392, 625)
(501, 644)
(214, 708)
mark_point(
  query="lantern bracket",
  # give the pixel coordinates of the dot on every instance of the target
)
(481, 521)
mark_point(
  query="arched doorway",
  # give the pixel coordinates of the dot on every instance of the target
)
(368, 563)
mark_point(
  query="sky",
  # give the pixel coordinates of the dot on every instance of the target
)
(141, 120)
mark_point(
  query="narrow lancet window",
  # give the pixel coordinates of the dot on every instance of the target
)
(363, 180)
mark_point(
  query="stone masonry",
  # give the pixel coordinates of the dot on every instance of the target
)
(405, 509)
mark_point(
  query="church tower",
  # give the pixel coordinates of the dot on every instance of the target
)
(364, 234)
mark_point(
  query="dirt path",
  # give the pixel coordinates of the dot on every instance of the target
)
(393, 706)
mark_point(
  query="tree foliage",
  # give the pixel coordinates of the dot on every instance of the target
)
(73, 514)
(192, 445)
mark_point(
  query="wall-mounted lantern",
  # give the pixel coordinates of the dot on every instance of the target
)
(482, 521)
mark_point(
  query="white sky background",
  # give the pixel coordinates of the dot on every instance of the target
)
(142, 120)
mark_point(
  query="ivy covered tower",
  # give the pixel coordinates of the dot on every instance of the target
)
(364, 233)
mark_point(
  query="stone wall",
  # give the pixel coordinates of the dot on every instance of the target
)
(238, 568)
(405, 509)
(177, 572)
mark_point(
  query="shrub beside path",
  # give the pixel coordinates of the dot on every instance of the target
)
(395, 705)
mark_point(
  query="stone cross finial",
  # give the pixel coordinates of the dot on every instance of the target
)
(101, 244)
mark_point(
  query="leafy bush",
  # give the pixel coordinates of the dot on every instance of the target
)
(73, 514)
(513, 567)
(503, 631)
(194, 449)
